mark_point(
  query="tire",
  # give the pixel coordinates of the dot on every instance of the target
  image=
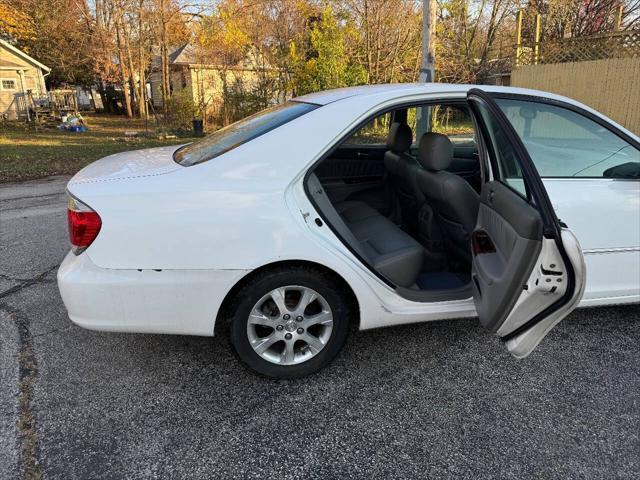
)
(315, 336)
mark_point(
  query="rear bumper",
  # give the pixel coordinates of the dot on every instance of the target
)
(183, 302)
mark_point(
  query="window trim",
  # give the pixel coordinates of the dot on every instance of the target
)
(15, 84)
(580, 111)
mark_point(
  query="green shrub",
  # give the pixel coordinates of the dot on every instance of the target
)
(181, 110)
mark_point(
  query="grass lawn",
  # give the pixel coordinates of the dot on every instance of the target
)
(26, 154)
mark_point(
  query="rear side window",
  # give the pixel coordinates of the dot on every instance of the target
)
(563, 143)
(454, 121)
(236, 134)
(373, 133)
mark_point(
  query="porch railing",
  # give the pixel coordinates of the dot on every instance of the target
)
(30, 104)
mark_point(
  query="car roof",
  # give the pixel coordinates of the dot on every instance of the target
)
(392, 90)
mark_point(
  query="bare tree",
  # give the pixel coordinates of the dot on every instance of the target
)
(467, 33)
(577, 18)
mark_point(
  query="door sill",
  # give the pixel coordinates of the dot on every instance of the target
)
(429, 296)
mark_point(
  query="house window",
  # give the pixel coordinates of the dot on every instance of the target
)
(8, 84)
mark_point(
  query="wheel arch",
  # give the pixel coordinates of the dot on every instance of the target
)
(226, 307)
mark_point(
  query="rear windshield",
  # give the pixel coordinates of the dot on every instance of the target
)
(236, 134)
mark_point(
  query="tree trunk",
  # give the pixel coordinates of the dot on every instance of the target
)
(100, 29)
(123, 69)
(132, 81)
(166, 83)
(164, 58)
(142, 80)
(106, 104)
(142, 90)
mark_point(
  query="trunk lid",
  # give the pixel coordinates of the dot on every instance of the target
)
(134, 164)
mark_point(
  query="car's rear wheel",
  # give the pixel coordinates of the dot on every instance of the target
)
(289, 322)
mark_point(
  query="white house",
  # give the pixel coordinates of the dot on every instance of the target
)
(19, 75)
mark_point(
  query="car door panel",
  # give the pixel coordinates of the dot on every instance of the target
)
(515, 231)
(465, 167)
(353, 164)
(355, 172)
(525, 280)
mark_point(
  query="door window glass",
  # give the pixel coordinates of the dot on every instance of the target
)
(373, 133)
(505, 159)
(453, 121)
(563, 143)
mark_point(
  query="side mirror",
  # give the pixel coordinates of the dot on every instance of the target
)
(625, 170)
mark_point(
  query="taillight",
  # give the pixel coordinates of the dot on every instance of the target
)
(84, 225)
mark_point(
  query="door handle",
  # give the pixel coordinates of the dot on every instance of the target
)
(481, 242)
(362, 155)
(490, 197)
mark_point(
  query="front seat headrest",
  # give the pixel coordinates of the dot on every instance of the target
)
(399, 138)
(435, 151)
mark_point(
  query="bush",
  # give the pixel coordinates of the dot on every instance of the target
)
(181, 110)
(239, 103)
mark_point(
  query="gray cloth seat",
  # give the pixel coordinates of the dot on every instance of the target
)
(380, 242)
(453, 200)
(355, 211)
(401, 170)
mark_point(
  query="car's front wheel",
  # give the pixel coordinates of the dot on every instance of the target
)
(290, 322)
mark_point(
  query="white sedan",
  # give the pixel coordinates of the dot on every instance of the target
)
(369, 206)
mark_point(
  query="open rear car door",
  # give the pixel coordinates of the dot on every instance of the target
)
(528, 271)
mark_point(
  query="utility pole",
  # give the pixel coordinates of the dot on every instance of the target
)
(427, 70)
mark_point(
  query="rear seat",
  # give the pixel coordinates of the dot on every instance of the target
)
(383, 244)
(355, 211)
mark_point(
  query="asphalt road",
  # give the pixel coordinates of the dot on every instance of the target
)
(425, 401)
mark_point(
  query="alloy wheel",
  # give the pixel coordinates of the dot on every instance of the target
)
(290, 325)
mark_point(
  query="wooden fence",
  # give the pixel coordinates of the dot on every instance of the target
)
(611, 85)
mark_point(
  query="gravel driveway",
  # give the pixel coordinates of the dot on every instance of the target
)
(423, 401)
